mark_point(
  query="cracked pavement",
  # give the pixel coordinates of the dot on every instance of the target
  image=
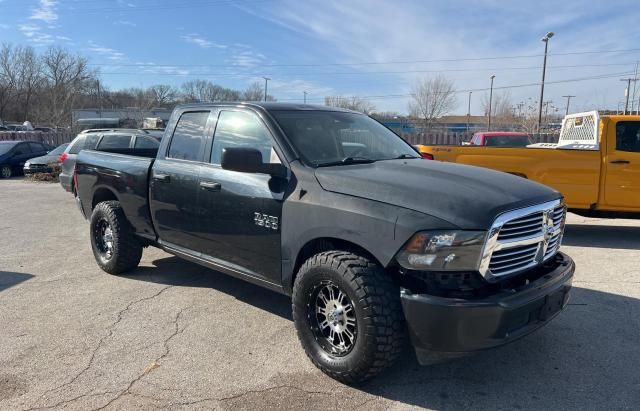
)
(174, 335)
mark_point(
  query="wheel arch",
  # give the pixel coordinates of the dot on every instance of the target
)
(318, 245)
(103, 194)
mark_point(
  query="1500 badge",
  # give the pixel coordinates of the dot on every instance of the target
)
(267, 221)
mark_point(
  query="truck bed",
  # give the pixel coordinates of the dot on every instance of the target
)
(111, 175)
(575, 173)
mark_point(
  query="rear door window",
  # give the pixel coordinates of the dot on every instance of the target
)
(114, 142)
(37, 147)
(21, 149)
(188, 140)
(77, 145)
(146, 142)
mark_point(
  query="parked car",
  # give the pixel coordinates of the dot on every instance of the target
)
(595, 165)
(369, 245)
(44, 129)
(43, 164)
(500, 139)
(13, 155)
(110, 140)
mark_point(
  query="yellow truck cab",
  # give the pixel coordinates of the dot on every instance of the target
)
(595, 164)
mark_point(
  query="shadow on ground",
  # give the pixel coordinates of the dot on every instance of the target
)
(9, 279)
(602, 236)
(176, 271)
(587, 357)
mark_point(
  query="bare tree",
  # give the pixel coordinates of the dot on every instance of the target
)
(8, 78)
(503, 111)
(162, 95)
(255, 92)
(351, 103)
(66, 76)
(29, 79)
(431, 99)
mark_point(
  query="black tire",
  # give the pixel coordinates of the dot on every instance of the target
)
(125, 251)
(5, 172)
(380, 327)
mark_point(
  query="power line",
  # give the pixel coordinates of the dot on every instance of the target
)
(386, 96)
(137, 8)
(356, 73)
(368, 63)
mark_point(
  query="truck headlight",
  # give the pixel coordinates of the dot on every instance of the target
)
(442, 250)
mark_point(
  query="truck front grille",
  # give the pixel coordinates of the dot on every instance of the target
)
(522, 239)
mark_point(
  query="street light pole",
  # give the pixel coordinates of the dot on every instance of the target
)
(266, 79)
(545, 39)
(566, 113)
(469, 111)
(305, 97)
(490, 98)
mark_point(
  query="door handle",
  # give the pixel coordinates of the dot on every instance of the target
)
(619, 161)
(210, 186)
(162, 177)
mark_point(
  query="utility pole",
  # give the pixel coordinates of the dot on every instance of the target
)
(633, 96)
(305, 97)
(490, 98)
(469, 111)
(627, 92)
(568, 101)
(266, 80)
(545, 39)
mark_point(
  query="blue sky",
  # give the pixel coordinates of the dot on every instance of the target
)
(375, 48)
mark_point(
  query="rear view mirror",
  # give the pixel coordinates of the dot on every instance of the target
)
(249, 160)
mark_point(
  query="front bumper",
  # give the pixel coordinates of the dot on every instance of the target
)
(36, 169)
(454, 325)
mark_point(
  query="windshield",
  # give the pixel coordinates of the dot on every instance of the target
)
(331, 138)
(6, 147)
(59, 149)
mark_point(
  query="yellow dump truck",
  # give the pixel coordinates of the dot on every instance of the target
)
(595, 164)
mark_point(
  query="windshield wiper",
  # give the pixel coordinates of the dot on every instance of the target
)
(348, 160)
(404, 156)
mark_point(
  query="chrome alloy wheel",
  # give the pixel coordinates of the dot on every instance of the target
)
(332, 319)
(104, 238)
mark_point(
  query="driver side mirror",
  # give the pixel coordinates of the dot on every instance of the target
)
(249, 160)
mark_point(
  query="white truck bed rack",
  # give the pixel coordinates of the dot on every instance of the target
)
(580, 131)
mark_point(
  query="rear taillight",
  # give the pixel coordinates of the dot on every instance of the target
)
(63, 157)
(75, 180)
(427, 156)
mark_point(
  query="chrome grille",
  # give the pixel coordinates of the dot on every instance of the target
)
(522, 239)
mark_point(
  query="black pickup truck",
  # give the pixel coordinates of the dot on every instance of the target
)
(372, 243)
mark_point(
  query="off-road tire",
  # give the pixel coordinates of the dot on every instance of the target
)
(381, 329)
(6, 172)
(127, 250)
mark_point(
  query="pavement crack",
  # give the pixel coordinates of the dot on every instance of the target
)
(110, 332)
(155, 364)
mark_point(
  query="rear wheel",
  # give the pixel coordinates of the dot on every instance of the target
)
(114, 244)
(5, 171)
(348, 315)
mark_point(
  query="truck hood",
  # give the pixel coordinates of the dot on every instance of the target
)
(466, 196)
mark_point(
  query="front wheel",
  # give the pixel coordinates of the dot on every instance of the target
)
(114, 244)
(348, 315)
(5, 171)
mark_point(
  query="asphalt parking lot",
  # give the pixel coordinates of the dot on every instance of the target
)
(175, 335)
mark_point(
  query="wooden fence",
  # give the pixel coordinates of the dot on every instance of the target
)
(54, 139)
(431, 139)
(455, 139)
